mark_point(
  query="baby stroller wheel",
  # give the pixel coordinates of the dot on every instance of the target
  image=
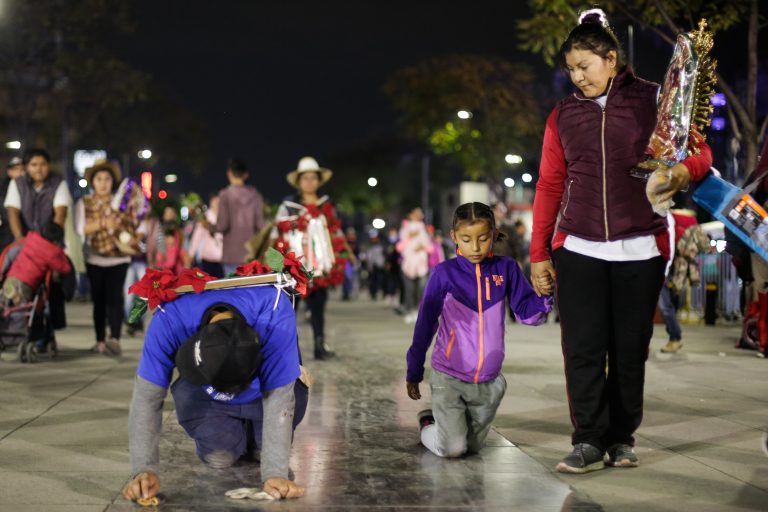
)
(22, 352)
(31, 352)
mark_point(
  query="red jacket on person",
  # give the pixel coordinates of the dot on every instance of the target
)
(38, 256)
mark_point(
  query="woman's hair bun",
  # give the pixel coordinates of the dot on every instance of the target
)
(596, 16)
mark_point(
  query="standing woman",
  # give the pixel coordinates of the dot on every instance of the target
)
(608, 246)
(103, 229)
(307, 225)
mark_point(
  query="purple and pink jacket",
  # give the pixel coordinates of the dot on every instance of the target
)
(464, 303)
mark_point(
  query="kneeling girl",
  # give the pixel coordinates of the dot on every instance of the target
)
(464, 303)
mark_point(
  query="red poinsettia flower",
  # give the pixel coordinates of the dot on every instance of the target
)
(313, 210)
(339, 244)
(334, 226)
(284, 226)
(281, 244)
(294, 267)
(157, 286)
(328, 210)
(253, 268)
(302, 223)
(194, 277)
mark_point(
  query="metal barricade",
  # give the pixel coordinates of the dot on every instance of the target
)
(717, 269)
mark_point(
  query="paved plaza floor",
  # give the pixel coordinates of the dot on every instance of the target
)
(63, 431)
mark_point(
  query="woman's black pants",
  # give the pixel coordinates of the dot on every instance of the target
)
(606, 318)
(107, 296)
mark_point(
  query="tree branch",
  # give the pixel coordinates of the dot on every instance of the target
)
(734, 102)
(763, 128)
(734, 124)
(670, 22)
(629, 14)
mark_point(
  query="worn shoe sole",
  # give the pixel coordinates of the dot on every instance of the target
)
(562, 467)
(622, 463)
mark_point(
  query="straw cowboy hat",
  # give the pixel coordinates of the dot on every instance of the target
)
(104, 165)
(308, 164)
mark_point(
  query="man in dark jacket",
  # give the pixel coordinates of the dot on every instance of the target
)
(36, 198)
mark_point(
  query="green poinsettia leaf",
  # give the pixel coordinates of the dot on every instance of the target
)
(138, 310)
(275, 260)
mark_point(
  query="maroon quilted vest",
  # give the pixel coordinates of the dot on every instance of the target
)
(602, 202)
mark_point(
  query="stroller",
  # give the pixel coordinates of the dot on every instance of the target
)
(28, 325)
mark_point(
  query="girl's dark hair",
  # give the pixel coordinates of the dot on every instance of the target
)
(593, 33)
(475, 212)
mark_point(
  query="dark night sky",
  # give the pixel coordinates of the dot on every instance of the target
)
(277, 82)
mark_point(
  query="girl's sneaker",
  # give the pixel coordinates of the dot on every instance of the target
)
(583, 459)
(425, 418)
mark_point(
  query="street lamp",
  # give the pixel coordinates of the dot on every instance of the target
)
(145, 154)
(372, 182)
(379, 223)
(83, 183)
(513, 159)
(527, 178)
(464, 114)
(171, 178)
(14, 144)
(509, 182)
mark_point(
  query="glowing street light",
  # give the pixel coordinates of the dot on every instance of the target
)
(145, 154)
(171, 178)
(509, 182)
(464, 114)
(14, 144)
(372, 182)
(527, 178)
(513, 159)
(379, 223)
(83, 183)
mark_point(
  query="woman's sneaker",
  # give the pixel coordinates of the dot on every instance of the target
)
(622, 456)
(583, 459)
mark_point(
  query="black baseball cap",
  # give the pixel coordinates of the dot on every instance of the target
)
(225, 354)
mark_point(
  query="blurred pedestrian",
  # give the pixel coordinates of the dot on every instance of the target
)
(414, 247)
(14, 170)
(37, 197)
(350, 269)
(393, 278)
(375, 259)
(205, 248)
(108, 235)
(307, 225)
(240, 215)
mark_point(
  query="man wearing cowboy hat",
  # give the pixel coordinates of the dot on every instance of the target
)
(38, 197)
(237, 355)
